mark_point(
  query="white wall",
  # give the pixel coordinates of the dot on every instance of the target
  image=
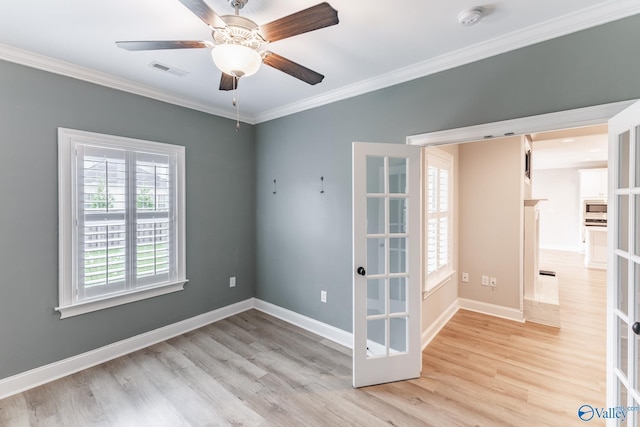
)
(560, 215)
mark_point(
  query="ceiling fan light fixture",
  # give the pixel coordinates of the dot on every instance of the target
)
(236, 60)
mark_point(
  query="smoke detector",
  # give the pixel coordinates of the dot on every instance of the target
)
(470, 16)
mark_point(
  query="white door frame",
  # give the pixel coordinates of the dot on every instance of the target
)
(579, 117)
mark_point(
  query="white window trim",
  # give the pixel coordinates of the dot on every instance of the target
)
(66, 208)
(444, 276)
(443, 281)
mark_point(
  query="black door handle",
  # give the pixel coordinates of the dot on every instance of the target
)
(636, 328)
(361, 271)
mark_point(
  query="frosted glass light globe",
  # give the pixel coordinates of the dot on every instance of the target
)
(236, 60)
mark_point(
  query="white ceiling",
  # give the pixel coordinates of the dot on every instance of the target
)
(581, 147)
(376, 44)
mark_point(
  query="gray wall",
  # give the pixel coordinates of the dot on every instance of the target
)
(304, 239)
(220, 174)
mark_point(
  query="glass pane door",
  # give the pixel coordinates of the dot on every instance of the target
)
(386, 213)
(387, 201)
(624, 276)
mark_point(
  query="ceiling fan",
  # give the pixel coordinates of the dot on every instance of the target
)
(238, 47)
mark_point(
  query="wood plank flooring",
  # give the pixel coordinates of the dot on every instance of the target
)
(255, 370)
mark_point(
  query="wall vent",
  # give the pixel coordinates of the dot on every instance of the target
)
(168, 69)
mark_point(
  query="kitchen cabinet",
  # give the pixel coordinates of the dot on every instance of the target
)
(596, 247)
(593, 183)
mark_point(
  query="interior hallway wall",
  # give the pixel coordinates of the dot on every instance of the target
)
(491, 208)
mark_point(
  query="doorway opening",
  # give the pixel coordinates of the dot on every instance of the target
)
(564, 120)
(569, 178)
(437, 309)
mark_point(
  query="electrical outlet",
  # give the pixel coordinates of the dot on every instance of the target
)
(323, 296)
(465, 277)
(232, 282)
(485, 280)
(493, 282)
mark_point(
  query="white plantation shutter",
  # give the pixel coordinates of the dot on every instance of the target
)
(121, 208)
(102, 231)
(154, 237)
(125, 233)
(439, 217)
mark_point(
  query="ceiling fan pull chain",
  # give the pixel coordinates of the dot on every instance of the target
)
(234, 86)
(236, 103)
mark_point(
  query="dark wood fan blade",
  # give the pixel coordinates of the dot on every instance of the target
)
(227, 82)
(316, 17)
(163, 44)
(293, 69)
(204, 12)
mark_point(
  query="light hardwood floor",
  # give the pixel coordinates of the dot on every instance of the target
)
(252, 369)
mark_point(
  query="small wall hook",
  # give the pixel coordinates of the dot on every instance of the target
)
(322, 185)
(274, 187)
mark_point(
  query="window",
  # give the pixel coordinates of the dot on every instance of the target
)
(121, 213)
(439, 217)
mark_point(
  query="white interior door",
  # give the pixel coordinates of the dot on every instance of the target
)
(386, 260)
(623, 299)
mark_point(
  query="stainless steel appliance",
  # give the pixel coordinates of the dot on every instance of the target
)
(594, 212)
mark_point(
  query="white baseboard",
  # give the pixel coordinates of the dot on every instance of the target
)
(319, 328)
(44, 374)
(491, 309)
(566, 248)
(430, 333)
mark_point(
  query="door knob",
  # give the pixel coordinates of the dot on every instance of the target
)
(636, 328)
(361, 271)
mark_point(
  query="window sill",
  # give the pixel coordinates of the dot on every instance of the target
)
(113, 301)
(443, 281)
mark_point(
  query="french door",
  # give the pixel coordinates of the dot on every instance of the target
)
(386, 263)
(623, 299)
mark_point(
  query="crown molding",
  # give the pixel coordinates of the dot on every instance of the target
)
(56, 66)
(571, 23)
(577, 21)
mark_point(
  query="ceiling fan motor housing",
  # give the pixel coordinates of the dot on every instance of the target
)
(239, 30)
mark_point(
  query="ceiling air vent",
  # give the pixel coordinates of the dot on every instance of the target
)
(168, 69)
